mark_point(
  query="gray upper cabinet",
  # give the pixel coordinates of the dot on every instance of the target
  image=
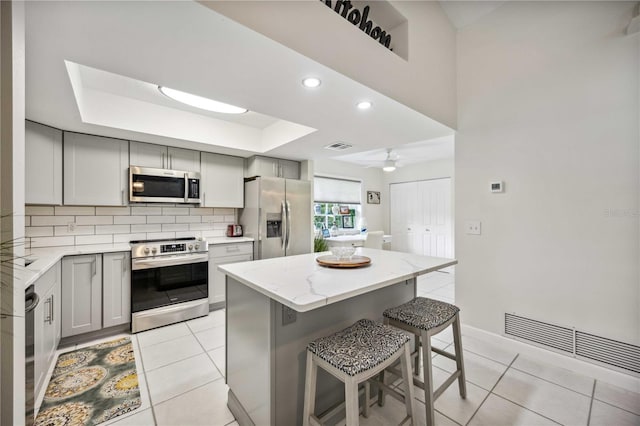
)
(183, 159)
(81, 294)
(272, 167)
(116, 288)
(147, 155)
(163, 157)
(222, 180)
(95, 170)
(43, 164)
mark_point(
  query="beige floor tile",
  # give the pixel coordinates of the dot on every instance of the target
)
(212, 338)
(557, 375)
(206, 405)
(164, 353)
(488, 350)
(180, 377)
(219, 359)
(450, 403)
(496, 411)
(607, 415)
(214, 319)
(162, 334)
(550, 400)
(479, 370)
(137, 418)
(619, 397)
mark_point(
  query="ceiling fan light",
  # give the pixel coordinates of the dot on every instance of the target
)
(389, 166)
(201, 102)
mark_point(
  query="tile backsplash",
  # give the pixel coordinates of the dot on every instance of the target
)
(48, 226)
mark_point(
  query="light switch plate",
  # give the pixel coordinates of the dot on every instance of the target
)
(473, 227)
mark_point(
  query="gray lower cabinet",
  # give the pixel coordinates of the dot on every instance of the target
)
(47, 325)
(116, 288)
(221, 254)
(81, 294)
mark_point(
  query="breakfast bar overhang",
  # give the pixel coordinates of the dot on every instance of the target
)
(276, 306)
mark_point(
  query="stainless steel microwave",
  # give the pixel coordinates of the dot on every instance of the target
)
(150, 185)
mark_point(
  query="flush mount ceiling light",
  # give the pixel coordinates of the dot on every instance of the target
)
(200, 102)
(311, 82)
(364, 105)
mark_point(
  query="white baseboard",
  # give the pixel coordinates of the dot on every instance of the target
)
(616, 378)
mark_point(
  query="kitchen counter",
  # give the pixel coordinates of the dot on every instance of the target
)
(275, 307)
(45, 257)
(300, 283)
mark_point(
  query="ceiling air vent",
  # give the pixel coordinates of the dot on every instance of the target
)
(338, 146)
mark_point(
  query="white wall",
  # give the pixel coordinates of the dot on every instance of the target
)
(425, 82)
(371, 181)
(548, 102)
(12, 337)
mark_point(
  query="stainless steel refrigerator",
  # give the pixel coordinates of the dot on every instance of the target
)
(277, 215)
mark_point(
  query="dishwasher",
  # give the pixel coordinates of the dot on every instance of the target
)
(31, 302)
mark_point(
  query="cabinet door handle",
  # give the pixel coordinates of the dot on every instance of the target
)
(93, 267)
(204, 199)
(51, 307)
(123, 200)
(48, 303)
(124, 265)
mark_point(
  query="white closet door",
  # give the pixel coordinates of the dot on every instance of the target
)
(421, 217)
(437, 221)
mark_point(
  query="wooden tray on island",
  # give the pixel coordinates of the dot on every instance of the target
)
(331, 261)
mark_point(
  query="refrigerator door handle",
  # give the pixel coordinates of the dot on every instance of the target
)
(288, 224)
(283, 211)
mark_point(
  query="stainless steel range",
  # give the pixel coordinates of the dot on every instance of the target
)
(169, 282)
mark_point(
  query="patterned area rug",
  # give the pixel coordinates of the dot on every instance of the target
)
(91, 385)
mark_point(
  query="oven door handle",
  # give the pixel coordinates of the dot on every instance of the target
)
(138, 264)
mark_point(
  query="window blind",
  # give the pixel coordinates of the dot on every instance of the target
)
(331, 190)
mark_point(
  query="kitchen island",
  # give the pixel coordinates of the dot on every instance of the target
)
(276, 306)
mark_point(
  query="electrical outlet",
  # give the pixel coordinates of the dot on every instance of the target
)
(71, 226)
(473, 227)
(288, 315)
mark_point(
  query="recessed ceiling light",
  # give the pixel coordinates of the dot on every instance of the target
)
(311, 82)
(389, 166)
(364, 105)
(200, 102)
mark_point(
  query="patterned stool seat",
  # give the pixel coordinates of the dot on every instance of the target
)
(355, 356)
(425, 318)
(359, 347)
(422, 313)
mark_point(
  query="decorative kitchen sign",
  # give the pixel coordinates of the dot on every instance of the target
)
(373, 197)
(352, 14)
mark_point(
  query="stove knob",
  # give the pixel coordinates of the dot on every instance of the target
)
(154, 250)
(197, 246)
(146, 250)
(190, 247)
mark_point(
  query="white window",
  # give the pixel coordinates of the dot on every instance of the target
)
(337, 203)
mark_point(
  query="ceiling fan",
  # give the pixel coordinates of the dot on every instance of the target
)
(391, 162)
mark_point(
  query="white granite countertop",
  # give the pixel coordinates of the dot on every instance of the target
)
(300, 283)
(46, 257)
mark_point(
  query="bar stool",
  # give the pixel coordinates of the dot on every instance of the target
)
(425, 318)
(355, 355)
